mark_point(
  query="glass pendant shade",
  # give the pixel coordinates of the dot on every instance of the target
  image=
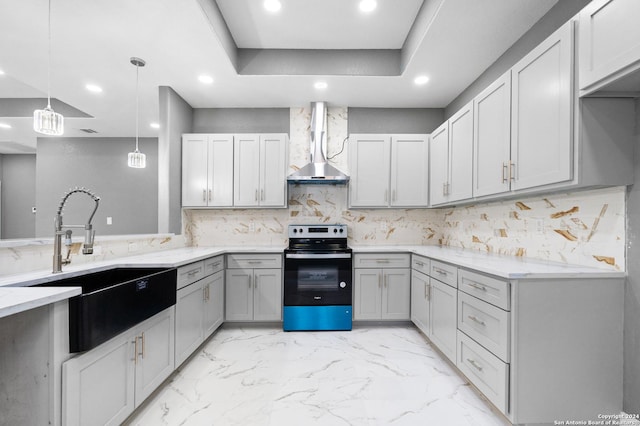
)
(137, 160)
(48, 122)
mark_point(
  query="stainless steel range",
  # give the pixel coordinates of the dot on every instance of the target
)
(317, 278)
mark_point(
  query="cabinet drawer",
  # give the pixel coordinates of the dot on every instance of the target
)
(381, 260)
(190, 273)
(419, 263)
(213, 265)
(444, 272)
(243, 261)
(489, 289)
(486, 371)
(485, 323)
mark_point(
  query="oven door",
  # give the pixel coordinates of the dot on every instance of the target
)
(317, 279)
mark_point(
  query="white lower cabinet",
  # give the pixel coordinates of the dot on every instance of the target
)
(199, 306)
(434, 303)
(443, 299)
(253, 292)
(420, 305)
(103, 386)
(382, 293)
(485, 370)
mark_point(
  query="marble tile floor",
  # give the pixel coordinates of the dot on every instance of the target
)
(369, 376)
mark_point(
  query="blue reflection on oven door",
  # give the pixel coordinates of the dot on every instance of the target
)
(307, 318)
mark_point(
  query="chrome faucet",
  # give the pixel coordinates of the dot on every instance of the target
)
(89, 233)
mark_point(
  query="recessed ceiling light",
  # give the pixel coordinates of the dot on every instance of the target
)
(1, 72)
(5, 126)
(206, 79)
(421, 79)
(154, 125)
(93, 88)
(321, 85)
(272, 5)
(368, 5)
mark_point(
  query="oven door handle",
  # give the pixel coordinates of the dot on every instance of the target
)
(318, 256)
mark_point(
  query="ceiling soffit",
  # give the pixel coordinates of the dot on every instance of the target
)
(283, 54)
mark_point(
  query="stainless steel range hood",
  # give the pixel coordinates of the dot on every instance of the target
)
(318, 171)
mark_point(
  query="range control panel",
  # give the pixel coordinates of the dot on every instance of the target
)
(318, 231)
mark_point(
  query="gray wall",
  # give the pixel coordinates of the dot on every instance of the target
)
(241, 120)
(632, 290)
(129, 196)
(551, 21)
(176, 117)
(394, 120)
(18, 177)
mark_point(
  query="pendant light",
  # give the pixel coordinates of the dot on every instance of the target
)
(47, 121)
(137, 159)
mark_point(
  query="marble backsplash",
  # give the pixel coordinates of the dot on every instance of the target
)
(16, 258)
(584, 228)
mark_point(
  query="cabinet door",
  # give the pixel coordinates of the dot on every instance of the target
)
(98, 386)
(156, 353)
(461, 154)
(273, 170)
(194, 170)
(246, 171)
(267, 294)
(369, 157)
(541, 131)
(492, 138)
(396, 294)
(439, 164)
(220, 171)
(238, 295)
(444, 305)
(213, 302)
(189, 305)
(367, 303)
(609, 40)
(420, 301)
(409, 171)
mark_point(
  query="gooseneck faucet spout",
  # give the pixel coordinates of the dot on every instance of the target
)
(89, 233)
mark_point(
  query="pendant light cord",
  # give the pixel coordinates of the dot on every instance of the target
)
(137, 95)
(49, 61)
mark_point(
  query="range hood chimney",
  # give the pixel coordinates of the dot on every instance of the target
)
(318, 171)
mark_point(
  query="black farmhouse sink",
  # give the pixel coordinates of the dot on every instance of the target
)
(113, 301)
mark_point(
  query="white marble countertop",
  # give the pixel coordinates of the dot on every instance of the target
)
(16, 296)
(18, 299)
(510, 267)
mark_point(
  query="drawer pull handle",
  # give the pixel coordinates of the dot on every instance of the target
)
(475, 364)
(254, 262)
(194, 272)
(382, 260)
(419, 263)
(477, 286)
(440, 271)
(476, 320)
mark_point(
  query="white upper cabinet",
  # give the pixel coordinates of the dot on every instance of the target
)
(207, 170)
(609, 43)
(438, 166)
(492, 138)
(451, 163)
(541, 113)
(369, 161)
(388, 170)
(273, 170)
(260, 170)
